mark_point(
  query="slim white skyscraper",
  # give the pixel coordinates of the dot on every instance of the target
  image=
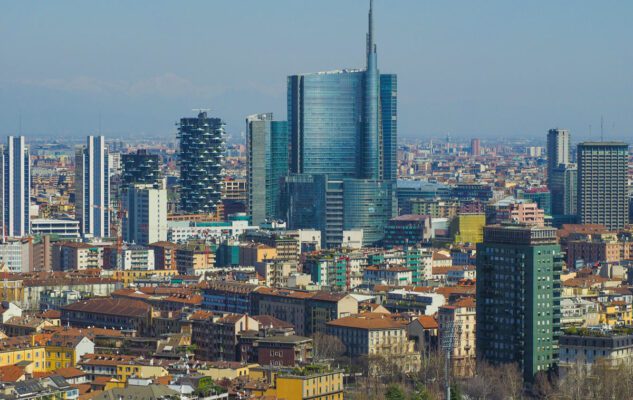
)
(92, 188)
(16, 186)
(145, 217)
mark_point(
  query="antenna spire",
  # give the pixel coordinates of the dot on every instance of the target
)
(371, 46)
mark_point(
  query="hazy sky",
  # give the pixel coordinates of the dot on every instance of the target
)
(472, 68)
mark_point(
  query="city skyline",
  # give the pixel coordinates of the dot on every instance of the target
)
(451, 81)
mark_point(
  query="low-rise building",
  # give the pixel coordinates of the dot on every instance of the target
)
(120, 313)
(458, 320)
(76, 256)
(408, 230)
(284, 350)
(588, 346)
(377, 334)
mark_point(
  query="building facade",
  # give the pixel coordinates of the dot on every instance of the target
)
(602, 183)
(140, 168)
(201, 159)
(343, 132)
(92, 188)
(267, 163)
(145, 219)
(16, 188)
(557, 150)
(518, 297)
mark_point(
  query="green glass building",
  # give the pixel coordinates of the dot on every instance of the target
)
(267, 155)
(518, 297)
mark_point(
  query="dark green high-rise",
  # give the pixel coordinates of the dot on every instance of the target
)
(267, 164)
(518, 297)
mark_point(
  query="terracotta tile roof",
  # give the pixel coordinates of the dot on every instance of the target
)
(82, 387)
(465, 302)
(585, 282)
(444, 270)
(440, 256)
(368, 321)
(268, 321)
(26, 321)
(11, 373)
(194, 299)
(230, 319)
(427, 322)
(449, 291)
(69, 372)
(19, 342)
(284, 293)
(166, 290)
(201, 315)
(51, 314)
(90, 333)
(106, 359)
(109, 306)
(328, 296)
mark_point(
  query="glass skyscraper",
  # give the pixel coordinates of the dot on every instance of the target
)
(343, 127)
(267, 161)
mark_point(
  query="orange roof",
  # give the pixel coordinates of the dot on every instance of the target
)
(11, 373)
(106, 359)
(200, 315)
(69, 372)
(52, 314)
(427, 322)
(465, 302)
(194, 299)
(368, 321)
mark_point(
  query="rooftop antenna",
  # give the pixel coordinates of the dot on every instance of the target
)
(99, 123)
(20, 123)
(602, 128)
(200, 110)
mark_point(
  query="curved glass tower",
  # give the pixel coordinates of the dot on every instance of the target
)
(343, 126)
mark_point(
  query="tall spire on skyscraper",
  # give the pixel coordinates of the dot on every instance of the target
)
(371, 157)
(371, 46)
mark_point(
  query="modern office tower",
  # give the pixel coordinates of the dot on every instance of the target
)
(201, 157)
(145, 220)
(343, 126)
(140, 168)
(475, 149)
(518, 297)
(542, 196)
(389, 125)
(267, 164)
(92, 188)
(563, 183)
(557, 149)
(16, 195)
(602, 183)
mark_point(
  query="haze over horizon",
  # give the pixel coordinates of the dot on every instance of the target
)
(494, 69)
